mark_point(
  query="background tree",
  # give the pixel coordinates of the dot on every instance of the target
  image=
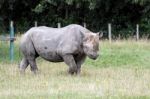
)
(123, 14)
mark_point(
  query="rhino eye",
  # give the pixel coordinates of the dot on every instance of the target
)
(96, 47)
(45, 47)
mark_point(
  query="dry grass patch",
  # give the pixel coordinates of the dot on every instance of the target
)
(53, 81)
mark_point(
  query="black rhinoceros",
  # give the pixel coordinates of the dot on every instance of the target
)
(70, 44)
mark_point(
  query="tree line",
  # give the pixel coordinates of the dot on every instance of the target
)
(122, 14)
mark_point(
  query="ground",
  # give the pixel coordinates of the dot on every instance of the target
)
(121, 72)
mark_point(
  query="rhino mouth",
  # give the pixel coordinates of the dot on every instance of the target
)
(94, 57)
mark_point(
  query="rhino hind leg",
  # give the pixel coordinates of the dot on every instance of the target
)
(30, 56)
(33, 66)
(23, 65)
(28, 61)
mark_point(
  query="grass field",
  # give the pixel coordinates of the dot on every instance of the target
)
(121, 72)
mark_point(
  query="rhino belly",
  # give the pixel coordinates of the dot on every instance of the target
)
(52, 57)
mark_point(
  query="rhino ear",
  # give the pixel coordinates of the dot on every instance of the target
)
(100, 34)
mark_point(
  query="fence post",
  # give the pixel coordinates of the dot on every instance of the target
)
(58, 25)
(137, 32)
(109, 32)
(35, 23)
(11, 41)
(84, 24)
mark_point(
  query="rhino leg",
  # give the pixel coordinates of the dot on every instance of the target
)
(79, 62)
(23, 65)
(33, 66)
(69, 60)
(30, 54)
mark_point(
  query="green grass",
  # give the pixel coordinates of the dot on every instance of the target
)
(121, 72)
(123, 54)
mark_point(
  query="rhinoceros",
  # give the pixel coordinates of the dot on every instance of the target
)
(70, 44)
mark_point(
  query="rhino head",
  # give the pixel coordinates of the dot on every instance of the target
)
(91, 44)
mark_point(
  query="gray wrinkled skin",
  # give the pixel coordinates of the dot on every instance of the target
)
(70, 44)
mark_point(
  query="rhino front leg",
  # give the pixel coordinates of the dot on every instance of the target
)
(79, 67)
(23, 65)
(69, 60)
(79, 61)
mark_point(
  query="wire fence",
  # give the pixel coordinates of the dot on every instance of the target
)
(9, 48)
